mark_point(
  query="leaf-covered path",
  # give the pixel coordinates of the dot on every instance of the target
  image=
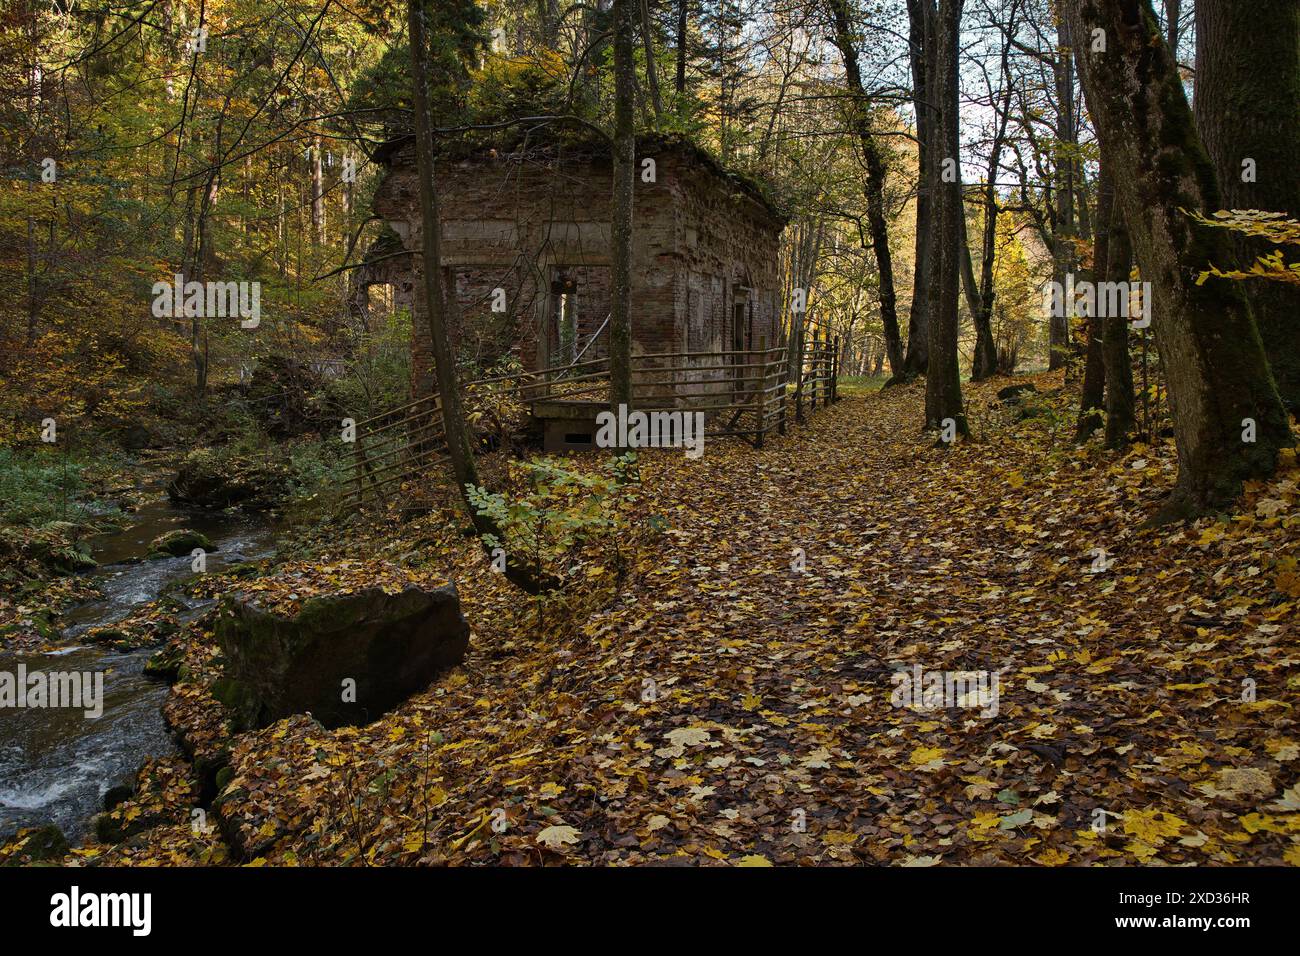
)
(726, 706)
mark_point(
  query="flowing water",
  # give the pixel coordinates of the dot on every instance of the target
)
(56, 763)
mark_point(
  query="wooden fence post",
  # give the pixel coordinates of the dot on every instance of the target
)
(819, 366)
(781, 395)
(759, 395)
(835, 370)
(816, 369)
(797, 372)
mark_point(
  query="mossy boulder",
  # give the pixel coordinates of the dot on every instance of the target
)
(45, 844)
(116, 795)
(343, 658)
(166, 664)
(112, 826)
(173, 544)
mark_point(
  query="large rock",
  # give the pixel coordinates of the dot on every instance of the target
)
(217, 479)
(42, 845)
(179, 542)
(391, 645)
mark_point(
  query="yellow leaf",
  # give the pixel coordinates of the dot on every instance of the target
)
(1151, 827)
(925, 755)
(558, 836)
(1052, 857)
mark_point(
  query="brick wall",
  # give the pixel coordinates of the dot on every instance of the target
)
(523, 225)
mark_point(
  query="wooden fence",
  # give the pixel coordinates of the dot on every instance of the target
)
(747, 394)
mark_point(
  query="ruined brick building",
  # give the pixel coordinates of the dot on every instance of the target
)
(526, 242)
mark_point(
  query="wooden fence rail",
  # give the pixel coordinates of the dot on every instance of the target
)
(744, 393)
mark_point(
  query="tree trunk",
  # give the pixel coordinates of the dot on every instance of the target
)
(1248, 107)
(979, 297)
(33, 309)
(460, 448)
(620, 328)
(985, 364)
(1060, 343)
(969, 289)
(1093, 394)
(317, 195)
(943, 380)
(877, 221)
(920, 16)
(804, 274)
(203, 251)
(548, 16)
(1214, 360)
(1121, 414)
(651, 70)
(680, 84)
(1173, 10)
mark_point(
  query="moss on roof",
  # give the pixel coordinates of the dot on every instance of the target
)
(579, 145)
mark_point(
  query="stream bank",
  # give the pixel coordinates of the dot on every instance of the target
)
(56, 764)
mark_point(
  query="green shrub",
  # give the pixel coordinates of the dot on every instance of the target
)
(553, 510)
(40, 485)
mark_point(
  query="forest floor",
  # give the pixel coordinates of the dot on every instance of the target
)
(722, 706)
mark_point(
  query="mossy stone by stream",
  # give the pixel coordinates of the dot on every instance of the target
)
(42, 845)
(110, 828)
(173, 544)
(116, 795)
(166, 664)
(343, 658)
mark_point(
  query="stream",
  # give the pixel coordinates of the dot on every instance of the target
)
(55, 763)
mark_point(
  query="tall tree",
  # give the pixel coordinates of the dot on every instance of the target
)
(873, 156)
(438, 305)
(920, 19)
(1214, 359)
(943, 380)
(1248, 113)
(1121, 413)
(985, 361)
(1092, 395)
(651, 67)
(1067, 145)
(679, 80)
(620, 328)
(317, 195)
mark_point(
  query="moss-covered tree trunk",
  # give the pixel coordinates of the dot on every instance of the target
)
(943, 380)
(1214, 359)
(1248, 113)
